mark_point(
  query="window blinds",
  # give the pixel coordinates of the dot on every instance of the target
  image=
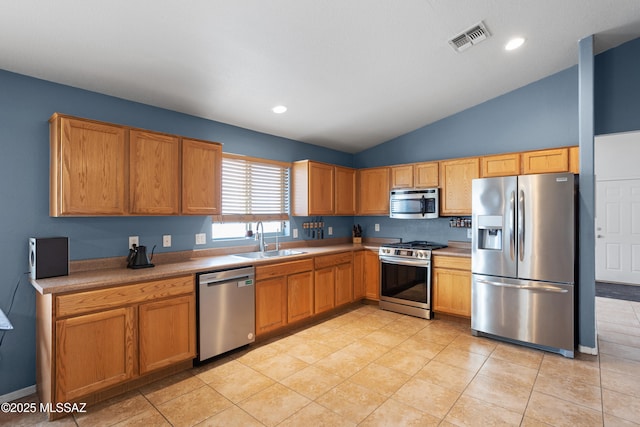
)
(254, 189)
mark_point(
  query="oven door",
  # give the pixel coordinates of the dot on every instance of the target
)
(405, 281)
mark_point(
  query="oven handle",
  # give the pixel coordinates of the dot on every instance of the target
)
(397, 261)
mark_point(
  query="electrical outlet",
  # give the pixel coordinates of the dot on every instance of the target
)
(166, 241)
(201, 239)
(330, 231)
(469, 233)
(377, 227)
(133, 240)
(295, 233)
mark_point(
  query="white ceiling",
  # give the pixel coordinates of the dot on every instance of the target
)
(353, 73)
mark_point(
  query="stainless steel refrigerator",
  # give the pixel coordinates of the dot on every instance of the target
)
(524, 259)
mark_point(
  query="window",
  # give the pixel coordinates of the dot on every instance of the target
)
(252, 190)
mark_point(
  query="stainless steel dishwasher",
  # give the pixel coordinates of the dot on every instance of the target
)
(226, 310)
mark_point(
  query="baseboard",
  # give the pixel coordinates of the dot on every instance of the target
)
(588, 350)
(18, 394)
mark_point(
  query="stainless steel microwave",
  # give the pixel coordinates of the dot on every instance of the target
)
(414, 203)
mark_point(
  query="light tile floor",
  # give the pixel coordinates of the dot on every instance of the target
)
(370, 367)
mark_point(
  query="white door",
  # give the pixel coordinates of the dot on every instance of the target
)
(618, 231)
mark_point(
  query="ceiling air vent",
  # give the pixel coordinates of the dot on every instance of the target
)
(470, 37)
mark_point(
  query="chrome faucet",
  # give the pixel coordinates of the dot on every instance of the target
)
(260, 236)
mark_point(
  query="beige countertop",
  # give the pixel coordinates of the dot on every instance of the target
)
(104, 277)
(461, 249)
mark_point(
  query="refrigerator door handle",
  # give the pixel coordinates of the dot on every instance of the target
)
(521, 225)
(512, 225)
(546, 288)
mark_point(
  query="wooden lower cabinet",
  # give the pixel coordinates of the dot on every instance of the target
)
(333, 280)
(284, 294)
(372, 275)
(299, 296)
(271, 304)
(91, 341)
(344, 284)
(358, 275)
(166, 332)
(93, 352)
(324, 290)
(452, 285)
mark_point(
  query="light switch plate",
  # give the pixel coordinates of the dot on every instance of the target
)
(330, 231)
(166, 241)
(469, 233)
(377, 227)
(295, 233)
(201, 239)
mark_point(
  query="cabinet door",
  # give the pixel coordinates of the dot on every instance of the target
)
(574, 160)
(93, 352)
(455, 179)
(324, 289)
(545, 161)
(372, 275)
(373, 191)
(154, 179)
(271, 304)
(452, 292)
(345, 191)
(299, 296)
(402, 176)
(502, 165)
(343, 283)
(201, 177)
(426, 175)
(358, 275)
(321, 189)
(89, 166)
(167, 332)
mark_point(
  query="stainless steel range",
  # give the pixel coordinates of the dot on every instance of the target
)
(405, 277)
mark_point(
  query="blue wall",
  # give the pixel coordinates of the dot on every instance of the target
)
(617, 89)
(540, 115)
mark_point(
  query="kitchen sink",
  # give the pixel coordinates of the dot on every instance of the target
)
(269, 254)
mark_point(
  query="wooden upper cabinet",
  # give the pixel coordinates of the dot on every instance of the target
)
(402, 176)
(501, 165)
(201, 177)
(373, 191)
(418, 175)
(313, 188)
(426, 175)
(455, 180)
(154, 181)
(89, 168)
(545, 161)
(345, 191)
(574, 159)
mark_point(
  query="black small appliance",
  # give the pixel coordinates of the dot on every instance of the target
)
(138, 257)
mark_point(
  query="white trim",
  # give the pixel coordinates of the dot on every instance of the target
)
(588, 350)
(18, 394)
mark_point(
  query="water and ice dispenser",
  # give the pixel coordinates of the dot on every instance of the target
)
(490, 229)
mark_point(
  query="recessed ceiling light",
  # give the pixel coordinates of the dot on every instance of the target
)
(279, 109)
(514, 43)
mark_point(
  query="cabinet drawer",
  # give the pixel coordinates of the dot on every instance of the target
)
(334, 259)
(83, 302)
(457, 263)
(283, 269)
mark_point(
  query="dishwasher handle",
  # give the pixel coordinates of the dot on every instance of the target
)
(236, 274)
